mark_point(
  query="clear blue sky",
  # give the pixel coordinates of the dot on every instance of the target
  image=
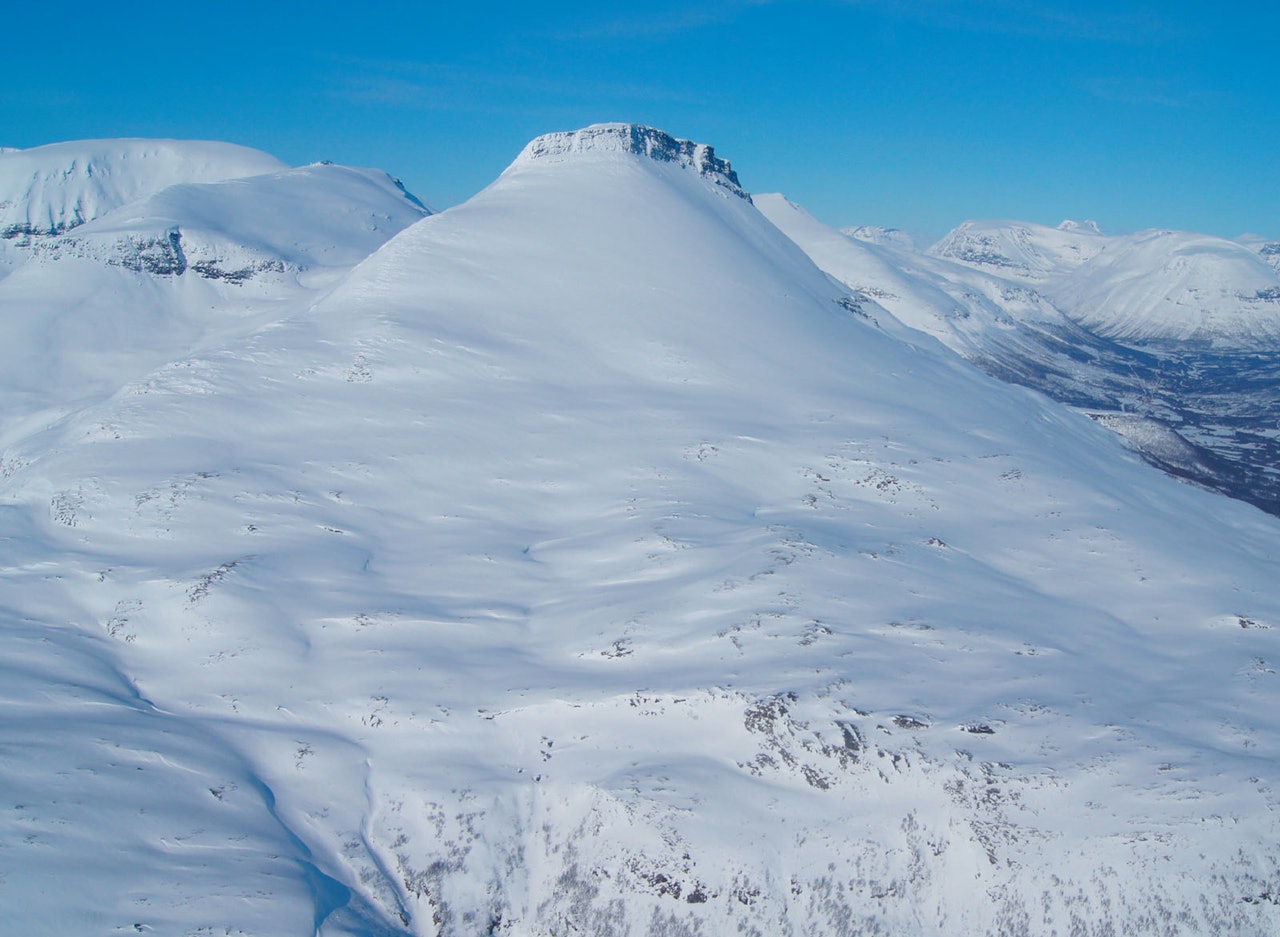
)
(913, 113)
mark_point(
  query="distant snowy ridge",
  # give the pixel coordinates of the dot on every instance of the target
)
(51, 189)
(1156, 286)
(1070, 225)
(639, 140)
(1266, 248)
(151, 279)
(1029, 252)
(315, 216)
(878, 234)
(1169, 329)
(1163, 286)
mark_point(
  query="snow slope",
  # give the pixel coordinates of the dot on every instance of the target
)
(583, 564)
(91, 310)
(1170, 286)
(51, 189)
(1200, 405)
(1266, 248)
(1006, 326)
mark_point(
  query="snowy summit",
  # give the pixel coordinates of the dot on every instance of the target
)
(634, 140)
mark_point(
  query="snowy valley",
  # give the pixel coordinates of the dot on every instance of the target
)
(619, 553)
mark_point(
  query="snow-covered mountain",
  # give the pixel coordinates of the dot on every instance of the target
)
(1170, 286)
(587, 561)
(1195, 390)
(964, 308)
(1152, 287)
(1266, 248)
(1021, 250)
(52, 189)
(86, 311)
(48, 190)
(878, 234)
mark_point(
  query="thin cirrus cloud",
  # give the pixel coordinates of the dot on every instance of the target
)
(1030, 18)
(660, 24)
(433, 86)
(1144, 92)
(1040, 20)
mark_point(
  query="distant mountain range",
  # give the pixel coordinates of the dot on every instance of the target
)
(1171, 339)
(619, 553)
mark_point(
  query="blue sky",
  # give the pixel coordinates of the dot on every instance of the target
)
(915, 114)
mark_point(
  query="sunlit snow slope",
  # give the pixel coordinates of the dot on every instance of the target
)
(90, 310)
(52, 189)
(585, 562)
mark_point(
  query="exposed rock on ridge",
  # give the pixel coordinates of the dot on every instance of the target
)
(639, 140)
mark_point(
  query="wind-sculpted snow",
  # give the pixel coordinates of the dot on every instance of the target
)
(587, 562)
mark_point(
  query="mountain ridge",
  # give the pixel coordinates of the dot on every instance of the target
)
(54, 188)
(635, 140)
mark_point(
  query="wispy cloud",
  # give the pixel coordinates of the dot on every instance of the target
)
(1144, 92)
(434, 86)
(662, 23)
(1035, 19)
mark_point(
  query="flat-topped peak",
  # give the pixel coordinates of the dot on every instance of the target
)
(635, 139)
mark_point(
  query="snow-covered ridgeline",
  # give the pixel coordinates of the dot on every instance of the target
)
(1032, 252)
(1170, 286)
(54, 188)
(1154, 286)
(89, 310)
(1172, 332)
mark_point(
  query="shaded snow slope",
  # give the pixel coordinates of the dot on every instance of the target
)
(583, 564)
